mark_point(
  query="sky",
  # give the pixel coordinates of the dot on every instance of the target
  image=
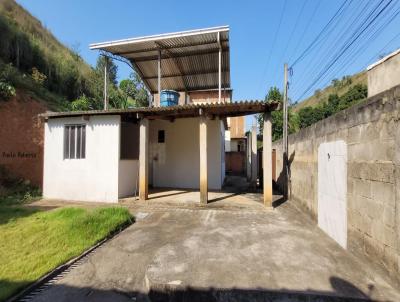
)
(264, 35)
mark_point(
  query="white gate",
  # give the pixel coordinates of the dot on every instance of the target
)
(332, 190)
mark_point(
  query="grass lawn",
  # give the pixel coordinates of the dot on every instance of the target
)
(33, 243)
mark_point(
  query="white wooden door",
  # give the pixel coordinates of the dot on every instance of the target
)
(332, 190)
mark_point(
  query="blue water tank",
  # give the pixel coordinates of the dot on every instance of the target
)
(169, 98)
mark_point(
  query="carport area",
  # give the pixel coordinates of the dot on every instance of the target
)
(182, 146)
(219, 254)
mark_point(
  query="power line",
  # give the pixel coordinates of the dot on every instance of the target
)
(319, 34)
(291, 34)
(345, 65)
(386, 45)
(274, 41)
(348, 43)
(342, 32)
(306, 28)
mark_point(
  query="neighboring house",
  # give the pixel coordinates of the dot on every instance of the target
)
(236, 146)
(109, 154)
(237, 134)
(384, 74)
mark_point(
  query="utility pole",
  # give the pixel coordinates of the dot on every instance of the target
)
(105, 83)
(285, 133)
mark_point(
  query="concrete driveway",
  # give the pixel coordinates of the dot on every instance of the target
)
(220, 254)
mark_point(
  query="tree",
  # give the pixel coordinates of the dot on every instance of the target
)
(309, 115)
(84, 103)
(142, 98)
(331, 107)
(274, 95)
(353, 95)
(117, 99)
(128, 87)
(135, 90)
(277, 116)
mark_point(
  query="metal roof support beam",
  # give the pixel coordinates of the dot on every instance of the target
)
(205, 72)
(105, 84)
(219, 67)
(131, 64)
(170, 47)
(181, 55)
(159, 78)
(178, 65)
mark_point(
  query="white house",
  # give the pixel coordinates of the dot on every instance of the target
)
(113, 153)
(108, 154)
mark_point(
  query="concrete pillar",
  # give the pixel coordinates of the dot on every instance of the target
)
(144, 159)
(267, 160)
(248, 156)
(253, 179)
(203, 160)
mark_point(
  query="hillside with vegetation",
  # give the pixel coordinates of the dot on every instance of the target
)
(338, 86)
(33, 60)
(341, 94)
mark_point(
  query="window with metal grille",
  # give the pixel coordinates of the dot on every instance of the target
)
(74, 141)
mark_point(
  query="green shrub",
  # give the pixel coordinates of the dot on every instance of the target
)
(84, 103)
(6, 91)
(310, 115)
(38, 77)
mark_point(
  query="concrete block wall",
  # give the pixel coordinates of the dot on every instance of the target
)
(371, 131)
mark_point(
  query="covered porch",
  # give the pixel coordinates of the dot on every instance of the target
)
(205, 117)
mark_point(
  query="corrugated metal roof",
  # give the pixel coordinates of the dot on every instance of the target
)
(189, 58)
(187, 110)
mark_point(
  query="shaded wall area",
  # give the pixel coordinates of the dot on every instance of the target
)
(21, 137)
(371, 131)
(174, 154)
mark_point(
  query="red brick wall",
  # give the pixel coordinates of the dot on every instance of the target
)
(21, 137)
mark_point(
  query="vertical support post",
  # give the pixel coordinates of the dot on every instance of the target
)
(159, 78)
(248, 157)
(267, 159)
(105, 84)
(219, 67)
(144, 159)
(254, 156)
(203, 159)
(285, 133)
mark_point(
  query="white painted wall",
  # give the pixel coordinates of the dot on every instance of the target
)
(384, 74)
(127, 178)
(332, 190)
(94, 178)
(177, 163)
(222, 152)
(227, 141)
